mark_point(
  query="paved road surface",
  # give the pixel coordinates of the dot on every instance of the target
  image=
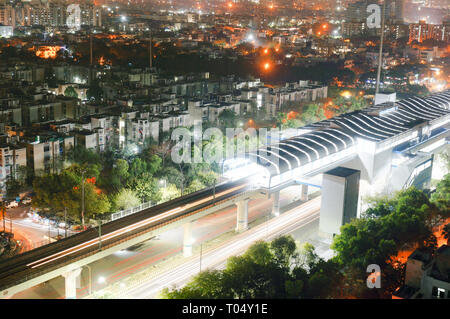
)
(216, 258)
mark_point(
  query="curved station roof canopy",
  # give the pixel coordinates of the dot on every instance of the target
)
(377, 123)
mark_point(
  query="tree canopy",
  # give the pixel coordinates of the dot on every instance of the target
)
(71, 92)
(265, 270)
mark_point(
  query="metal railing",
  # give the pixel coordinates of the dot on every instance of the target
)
(132, 210)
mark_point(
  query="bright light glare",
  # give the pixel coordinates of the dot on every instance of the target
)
(346, 94)
(101, 280)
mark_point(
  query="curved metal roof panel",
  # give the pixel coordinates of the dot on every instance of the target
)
(294, 152)
(301, 150)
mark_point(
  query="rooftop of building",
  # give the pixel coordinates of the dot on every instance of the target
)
(342, 171)
(422, 254)
(84, 132)
(10, 146)
(405, 292)
(441, 265)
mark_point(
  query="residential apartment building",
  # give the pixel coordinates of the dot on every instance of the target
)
(423, 31)
(11, 158)
(45, 152)
(427, 275)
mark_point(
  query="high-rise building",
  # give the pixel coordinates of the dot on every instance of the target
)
(422, 31)
(357, 11)
(7, 16)
(52, 13)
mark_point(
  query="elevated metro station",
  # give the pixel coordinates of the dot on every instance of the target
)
(392, 145)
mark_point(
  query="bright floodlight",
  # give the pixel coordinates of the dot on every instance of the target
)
(101, 280)
(123, 18)
(346, 94)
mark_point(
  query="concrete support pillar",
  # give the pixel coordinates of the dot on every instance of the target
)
(276, 203)
(340, 192)
(242, 215)
(304, 194)
(187, 240)
(71, 283)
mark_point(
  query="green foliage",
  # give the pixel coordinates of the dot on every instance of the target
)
(146, 187)
(120, 169)
(169, 192)
(307, 257)
(441, 197)
(343, 105)
(64, 190)
(17, 181)
(206, 285)
(228, 118)
(417, 89)
(80, 155)
(405, 220)
(124, 199)
(95, 204)
(194, 186)
(445, 156)
(208, 178)
(95, 91)
(283, 122)
(174, 177)
(311, 113)
(71, 92)
(284, 249)
(265, 270)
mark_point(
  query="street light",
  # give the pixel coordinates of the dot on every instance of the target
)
(57, 228)
(82, 199)
(99, 231)
(201, 253)
(49, 234)
(83, 172)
